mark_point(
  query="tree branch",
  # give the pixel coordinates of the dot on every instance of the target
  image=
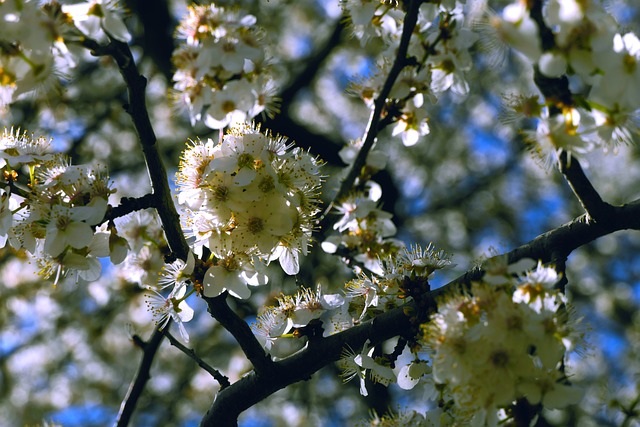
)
(221, 311)
(587, 195)
(137, 109)
(130, 204)
(372, 130)
(163, 201)
(222, 380)
(140, 379)
(254, 387)
(555, 244)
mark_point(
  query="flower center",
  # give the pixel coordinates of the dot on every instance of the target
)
(62, 222)
(499, 358)
(221, 193)
(255, 225)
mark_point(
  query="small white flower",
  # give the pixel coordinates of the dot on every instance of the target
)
(178, 272)
(620, 78)
(64, 229)
(413, 123)
(97, 17)
(377, 372)
(536, 284)
(423, 262)
(233, 274)
(229, 106)
(172, 307)
(410, 375)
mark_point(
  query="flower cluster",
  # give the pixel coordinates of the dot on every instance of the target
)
(223, 75)
(365, 230)
(439, 49)
(27, 57)
(281, 329)
(249, 200)
(33, 41)
(601, 111)
(500, 343)
(56, 216)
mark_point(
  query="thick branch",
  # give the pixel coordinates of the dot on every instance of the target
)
(558, 243)
(252, 388)
(555, 244)
(221, 311)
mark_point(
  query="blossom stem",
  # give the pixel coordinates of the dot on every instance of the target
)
(186, 295)
(222, 379)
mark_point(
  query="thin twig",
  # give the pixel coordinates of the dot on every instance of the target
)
(140, 379)
(222, 380)
(372, 130)
(130, 204)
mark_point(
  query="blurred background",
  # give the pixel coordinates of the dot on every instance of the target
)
(470, 186)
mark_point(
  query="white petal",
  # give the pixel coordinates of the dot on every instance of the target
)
(113, 25)
(289, 262)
